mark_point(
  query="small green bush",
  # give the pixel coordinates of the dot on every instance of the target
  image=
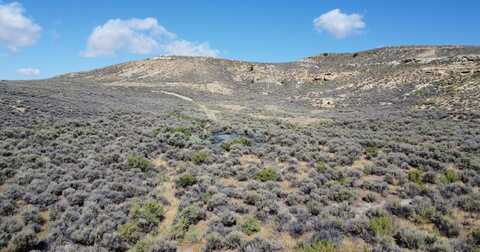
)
(192, 214)
(320, 166)
(469, 202)
(179, 228)
(157, 131)
(237, 141)
(183, 130)
(199, 157)
(371, 152)
(424, 215)
(447, 226)
(267, 174)
(343, 195)
(318, 246)
(251, 198)
(449, 176)
(135, 161)
(142, 245)
(314, 207)
(215, 242)
(343, 180)
(471, 162)
(185, 181)
(381, 225)
(415, 176)
(150, 211)
(186, 131)
(233, 240)
(251, 226)
(206, 196)
(474, 237)
(130, 231)
(370, 197)
(411, 239)
(193, 235)
(187, 217)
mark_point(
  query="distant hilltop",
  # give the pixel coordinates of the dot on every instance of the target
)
(394, 73)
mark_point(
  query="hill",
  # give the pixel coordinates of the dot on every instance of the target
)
(443, 76)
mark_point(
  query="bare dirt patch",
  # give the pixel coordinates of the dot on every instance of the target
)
(249, 159)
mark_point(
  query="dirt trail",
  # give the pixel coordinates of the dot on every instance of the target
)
(171, 211)
(177, 95)
(167, 190)
(210, 113)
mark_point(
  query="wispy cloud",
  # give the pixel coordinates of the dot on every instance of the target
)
(339, 24)
(140, 36)
(29, 72)
(187, 48)
(17, 30)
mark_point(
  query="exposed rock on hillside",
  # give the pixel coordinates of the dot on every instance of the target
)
(395, 74)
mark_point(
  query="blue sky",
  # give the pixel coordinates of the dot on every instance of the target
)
(40, 39)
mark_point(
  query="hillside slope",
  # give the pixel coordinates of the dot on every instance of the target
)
(445, 76)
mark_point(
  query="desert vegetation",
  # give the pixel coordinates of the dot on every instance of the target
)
(164, 177)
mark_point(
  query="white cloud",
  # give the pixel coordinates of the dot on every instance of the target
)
(28, 72)
(140, 36)
(17, 30)
(187, 48)
(339, 24)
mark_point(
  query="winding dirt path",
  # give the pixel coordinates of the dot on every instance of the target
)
(210, 113)
(177, 95)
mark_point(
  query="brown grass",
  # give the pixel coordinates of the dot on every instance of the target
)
(45, 217)
(361, 163)
(159, 163)
(285, 185)
(403, 223)
(372, 178)
(268, 232)
(231, 182)
(3, 188)
(249, 159)
(353, 245)
(468, 221)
